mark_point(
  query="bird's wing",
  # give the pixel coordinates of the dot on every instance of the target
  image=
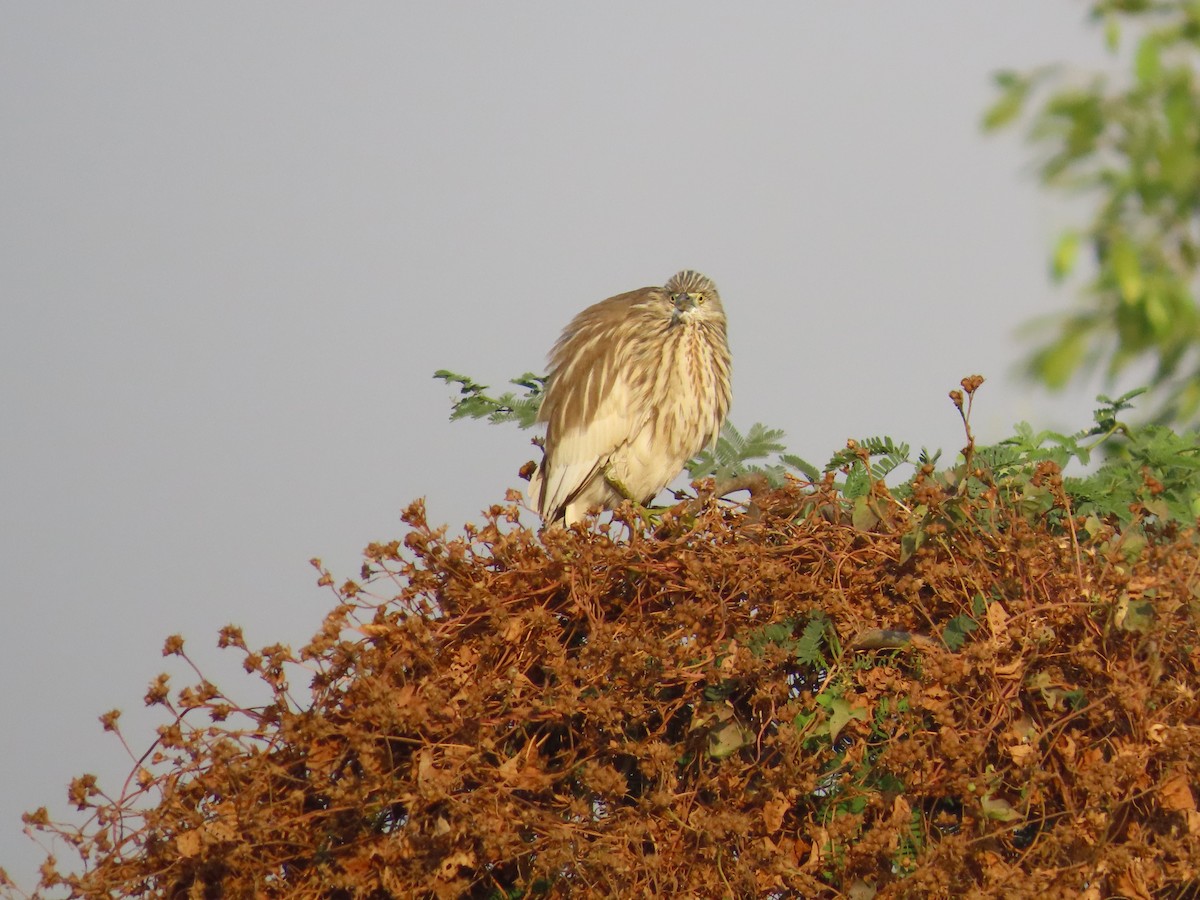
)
(581, 446)
(590, 407)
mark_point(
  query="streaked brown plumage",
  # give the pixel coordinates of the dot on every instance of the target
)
(638, 384)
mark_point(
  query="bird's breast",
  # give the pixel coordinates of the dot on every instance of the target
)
(690, 391)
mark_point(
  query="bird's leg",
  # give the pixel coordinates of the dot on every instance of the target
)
(615, 483)
(649, 517)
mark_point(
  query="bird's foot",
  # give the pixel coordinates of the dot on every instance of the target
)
(650, 517)
(637, 518)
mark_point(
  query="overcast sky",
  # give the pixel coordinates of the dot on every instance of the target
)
(236, 239)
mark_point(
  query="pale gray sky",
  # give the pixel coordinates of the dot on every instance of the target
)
(236, 240)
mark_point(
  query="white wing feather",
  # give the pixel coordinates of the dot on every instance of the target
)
(580, 454)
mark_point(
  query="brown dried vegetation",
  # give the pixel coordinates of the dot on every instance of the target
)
(737, 705)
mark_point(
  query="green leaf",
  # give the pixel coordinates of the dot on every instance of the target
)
(1066, 254)
(954, 635)
(475, 403)
(1112, 33)
(802, 720)
(1055, 696)
(1133, 544)
(1156, 304)
(864, 517)
(1147, 63)
(807, 469)
(1127, 270)
(914, 537)
(1123, 147)
(1134, 615)
(1000, 810)
(1179, 106)
(812, 640)
(1003, 111)
(841, 713)
(734, 452)
(1013, 90)
(1056, 363)
(728, 739)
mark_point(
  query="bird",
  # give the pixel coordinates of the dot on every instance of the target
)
(637, 385)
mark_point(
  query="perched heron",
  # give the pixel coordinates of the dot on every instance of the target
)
(638, 385)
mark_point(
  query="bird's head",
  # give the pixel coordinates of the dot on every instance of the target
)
(693, 297)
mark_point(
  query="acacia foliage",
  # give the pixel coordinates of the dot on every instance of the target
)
(749, 704)
(1128, 146)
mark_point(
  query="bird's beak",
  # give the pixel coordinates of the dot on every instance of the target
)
(684, 302)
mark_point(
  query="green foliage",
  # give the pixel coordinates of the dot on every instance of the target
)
(1156, 471)
(1150, 472)
(1026, 448)
(809, 649)
(733, 454)
(1130, 145)
(871, 459)
(813, 638)
(475, 403)
(958, 629)
(1150, 475)
(954, 635)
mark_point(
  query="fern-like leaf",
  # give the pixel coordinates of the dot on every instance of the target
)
(475, 403)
